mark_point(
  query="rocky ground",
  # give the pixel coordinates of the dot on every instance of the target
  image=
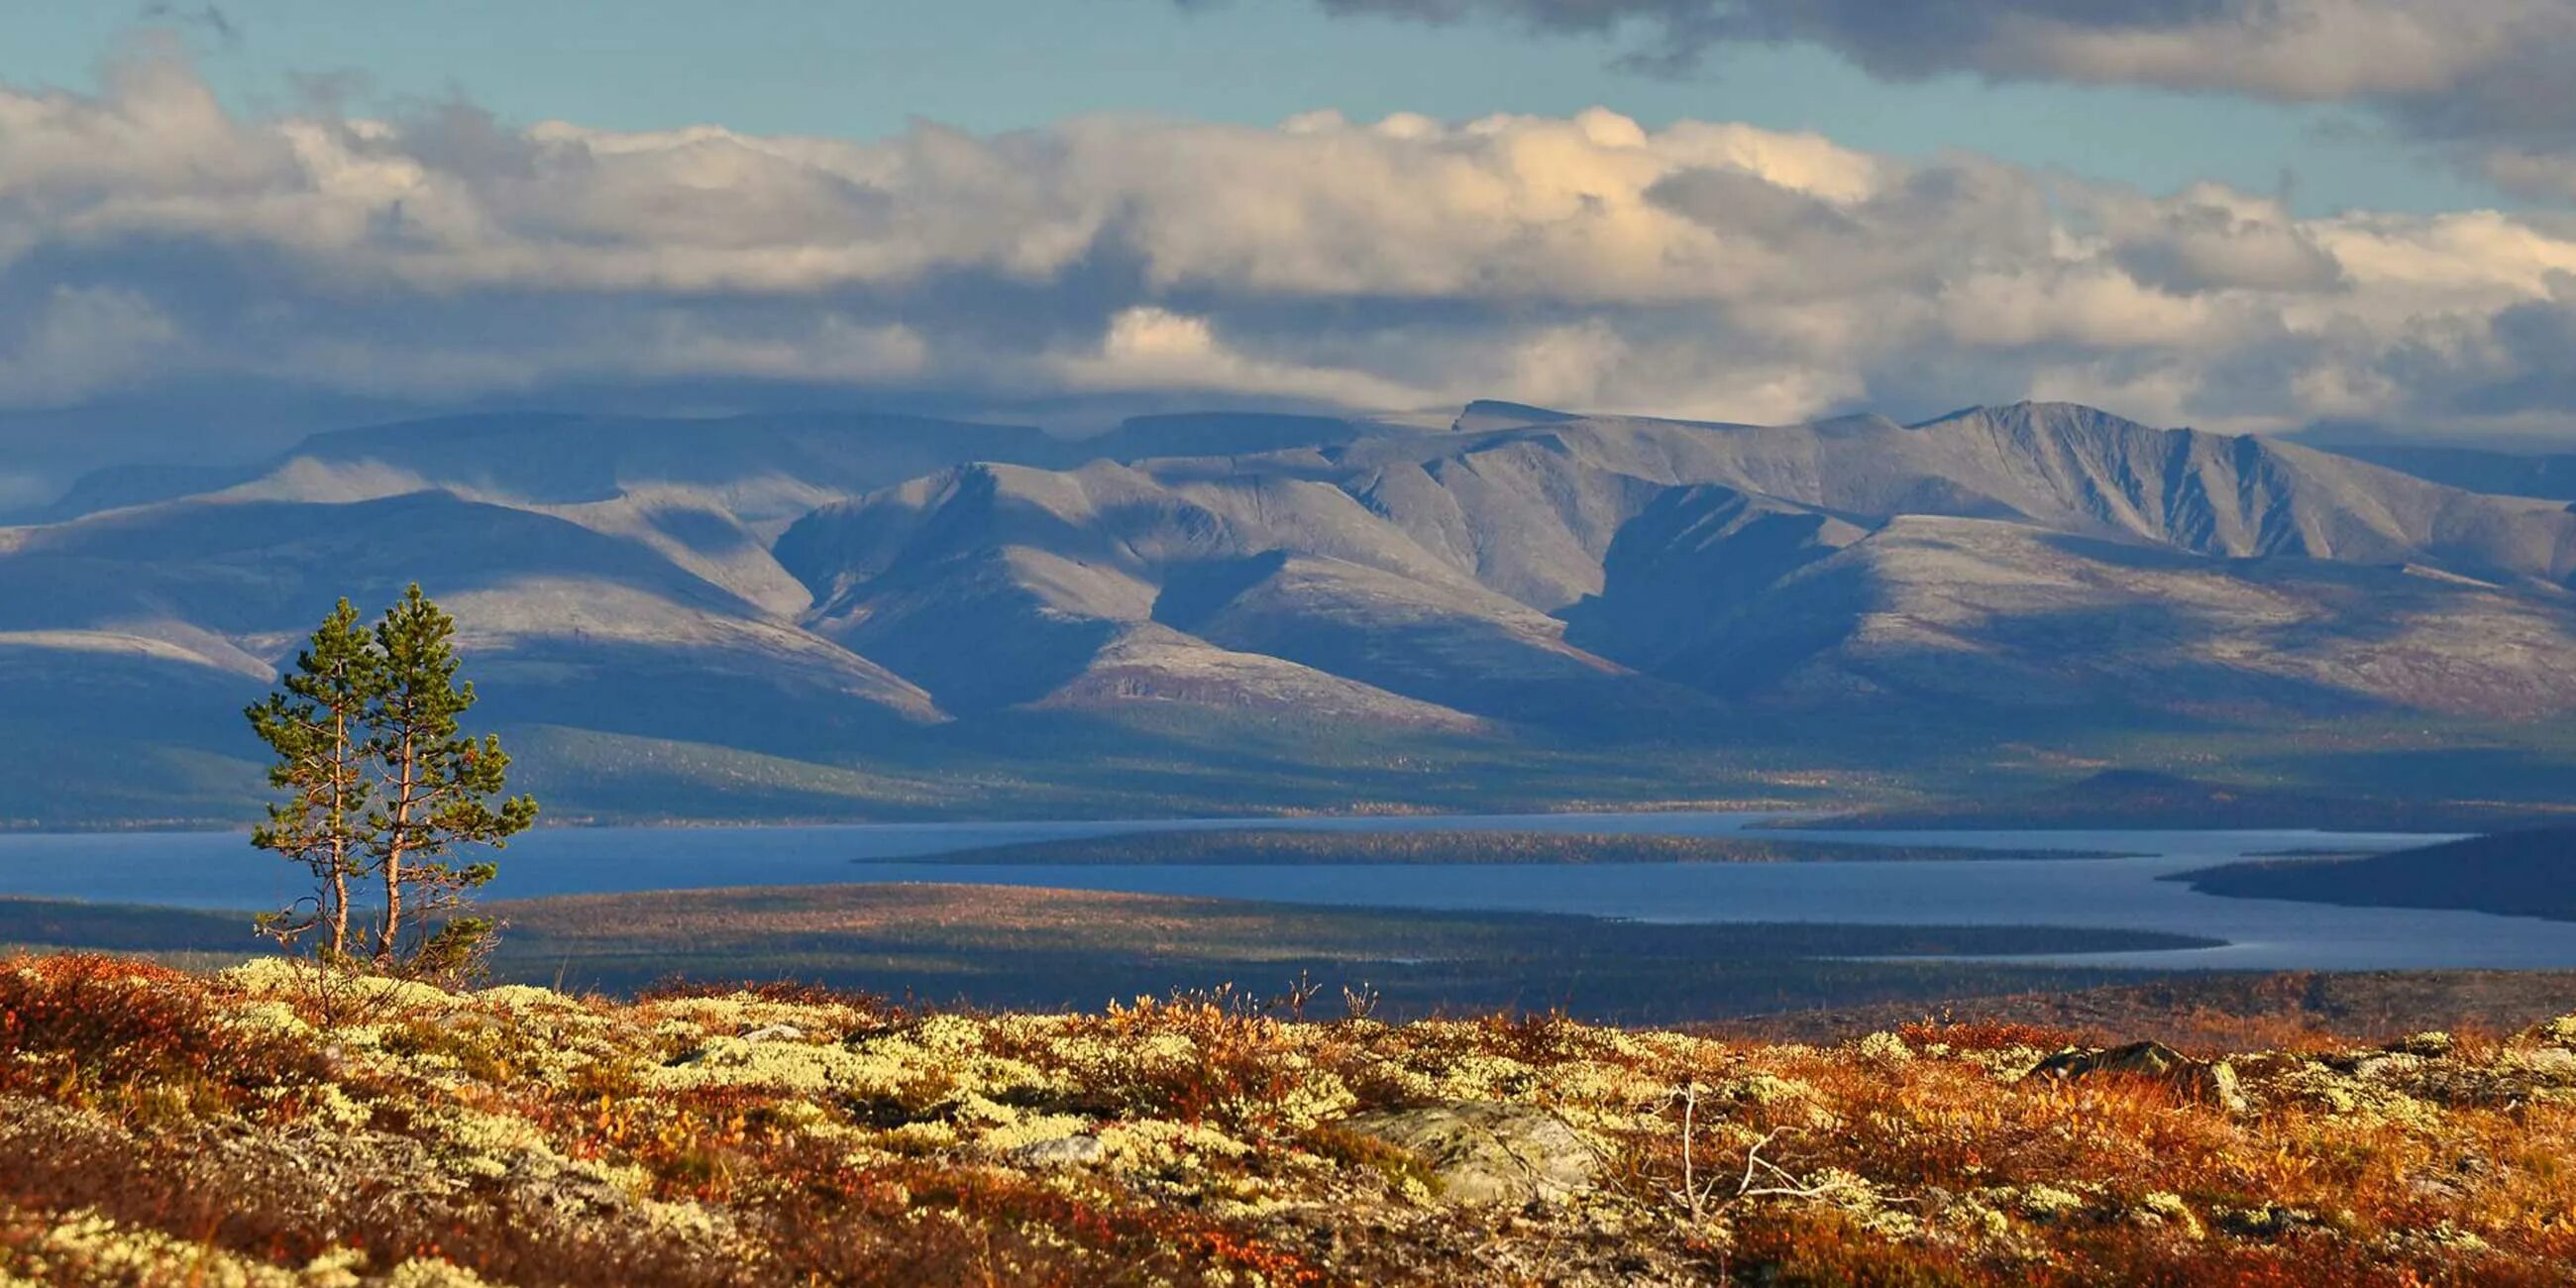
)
(262, 1127)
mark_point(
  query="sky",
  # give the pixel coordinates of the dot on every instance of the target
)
(863, 70)
(225, 225)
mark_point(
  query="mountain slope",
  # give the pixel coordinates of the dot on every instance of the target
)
(2034, 556)
(830, 590)
(1977, 611)
(2074, 469)
(566, 623)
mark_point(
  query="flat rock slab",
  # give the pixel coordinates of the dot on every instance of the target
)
(1487, 1153)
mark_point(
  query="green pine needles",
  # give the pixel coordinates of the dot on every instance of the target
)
(385, 800)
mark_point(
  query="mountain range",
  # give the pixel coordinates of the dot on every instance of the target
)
(842, 615)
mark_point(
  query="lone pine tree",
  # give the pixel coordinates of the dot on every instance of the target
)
(313, 725)
(382, 783)
(436, 783)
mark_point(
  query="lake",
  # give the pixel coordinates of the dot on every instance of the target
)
(219, 870)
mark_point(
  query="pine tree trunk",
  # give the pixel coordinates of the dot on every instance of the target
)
(339, 903)
(339, 836)
(397, 840)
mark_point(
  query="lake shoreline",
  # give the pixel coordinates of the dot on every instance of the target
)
(1959, 882)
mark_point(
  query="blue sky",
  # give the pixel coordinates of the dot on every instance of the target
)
(864, 69)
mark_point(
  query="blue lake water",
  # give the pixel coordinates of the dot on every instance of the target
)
(219, 870)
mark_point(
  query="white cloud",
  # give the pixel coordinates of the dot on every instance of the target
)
(1703, 269)
(1150, 348)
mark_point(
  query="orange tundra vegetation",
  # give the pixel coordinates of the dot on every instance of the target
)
(159, 1127)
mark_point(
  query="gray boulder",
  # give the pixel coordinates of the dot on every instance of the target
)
(1489, 1153)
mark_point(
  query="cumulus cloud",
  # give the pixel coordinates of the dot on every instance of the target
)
(1147, 348)
(1703, 269)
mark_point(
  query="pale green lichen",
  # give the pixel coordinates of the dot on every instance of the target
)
(273, 1017)
(293, 979)
(1154, 1145)
(2042, 1202)
(89, 1249)
(426, 1272)
(1766, 1089)
(1883, 1048)
(2161, 1207)
(2366, 1101)
(525, 998)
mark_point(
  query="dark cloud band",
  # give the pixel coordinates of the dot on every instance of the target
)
(2488, 78)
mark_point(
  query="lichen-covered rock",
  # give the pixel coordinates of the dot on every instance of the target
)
(2560, 1031)
(2429, 1044)
(1491, 1153)
(2209, 1082)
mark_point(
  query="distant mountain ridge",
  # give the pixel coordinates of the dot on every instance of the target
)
(1643, 564)
(825, 590)
(548, 456)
